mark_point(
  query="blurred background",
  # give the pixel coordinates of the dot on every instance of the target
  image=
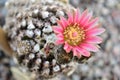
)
(105, 65)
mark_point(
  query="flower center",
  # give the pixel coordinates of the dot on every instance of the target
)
(74, 35)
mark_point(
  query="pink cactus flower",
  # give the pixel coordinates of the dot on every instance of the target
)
(79, 33)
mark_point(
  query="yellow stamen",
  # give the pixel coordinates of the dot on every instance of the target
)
(74, 35)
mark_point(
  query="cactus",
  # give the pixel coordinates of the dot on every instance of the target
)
(31, 36)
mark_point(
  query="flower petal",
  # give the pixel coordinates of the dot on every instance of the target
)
(60, 37)
(57, 29)
(83, 15)
(76, 53)
(64, 21)
(86, 19)
(61, 23)
(77, 16)
(59, 42)
(67, 48)
(70, 18)
(84, 52)
(95, 31)
(91, 24)
(93, 39)
(89, 47)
